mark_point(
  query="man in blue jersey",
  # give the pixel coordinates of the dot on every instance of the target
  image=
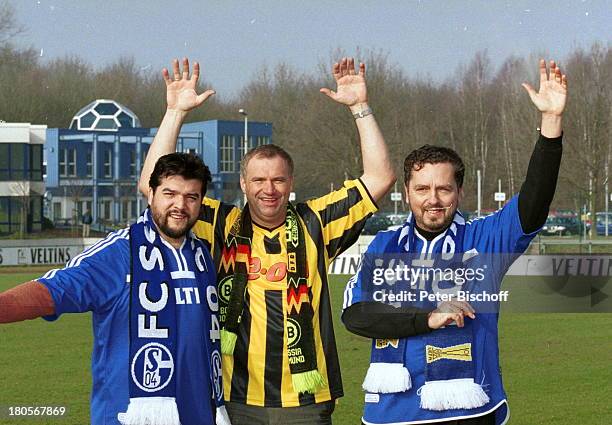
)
(435, 360)
(152, 290)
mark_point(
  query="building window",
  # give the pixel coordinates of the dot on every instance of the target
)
(226, 164)
(108, 163)
(20, 161)
(133, 163)
(36, 159)
(67, 162)
(241, 146)
(57, 211)
(88, 162)
(105, 210)
(14, 210)
(5, 162)
(262, 140)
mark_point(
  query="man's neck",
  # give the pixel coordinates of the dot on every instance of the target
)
(430, 235)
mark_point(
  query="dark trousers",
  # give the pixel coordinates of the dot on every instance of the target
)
(313, 414)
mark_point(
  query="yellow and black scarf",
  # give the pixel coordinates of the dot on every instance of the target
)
(236, 258)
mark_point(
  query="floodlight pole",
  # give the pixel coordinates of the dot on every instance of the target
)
(479, 193)
(243, 112)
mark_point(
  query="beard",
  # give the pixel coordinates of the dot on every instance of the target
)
(431, 225)
(176, 232)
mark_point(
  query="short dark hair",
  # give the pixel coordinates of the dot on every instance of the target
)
(266, 151)
(429, 154)
(186, 165)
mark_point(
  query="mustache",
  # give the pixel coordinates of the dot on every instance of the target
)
(439, 207)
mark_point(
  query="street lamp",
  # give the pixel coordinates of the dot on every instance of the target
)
(243, 112)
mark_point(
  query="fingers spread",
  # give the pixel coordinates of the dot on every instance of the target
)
(336, 71)
(530, 90)
(175, 70)
(343, 67)
(351, 66)
(185, 68)
(202, 97)
(166, 76)
(328, 92)
(196, 72)
(543, 75)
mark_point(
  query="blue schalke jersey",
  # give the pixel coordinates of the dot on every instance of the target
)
(98, 280)
(499, 233)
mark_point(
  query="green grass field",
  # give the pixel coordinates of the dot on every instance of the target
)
(557, 367)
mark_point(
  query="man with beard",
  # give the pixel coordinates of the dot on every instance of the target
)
(280, 362)
(152, 291)
(437, 362)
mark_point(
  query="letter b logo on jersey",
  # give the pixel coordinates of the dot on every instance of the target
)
(225, 289)
(294, 333)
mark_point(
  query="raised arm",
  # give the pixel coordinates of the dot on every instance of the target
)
(551, 98)
(29, 300)
(181, 97)
(378, 175)
(538, 190)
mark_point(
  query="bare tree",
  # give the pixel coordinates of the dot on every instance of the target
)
(9, 28)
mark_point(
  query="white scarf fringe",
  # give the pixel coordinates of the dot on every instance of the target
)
(151, 411)
(452, 394)
(222, 416)
(387, 378)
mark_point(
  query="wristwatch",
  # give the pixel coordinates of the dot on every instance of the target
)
(367, 111)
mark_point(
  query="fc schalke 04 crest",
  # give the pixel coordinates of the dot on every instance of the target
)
(152, 367)
(215, 363)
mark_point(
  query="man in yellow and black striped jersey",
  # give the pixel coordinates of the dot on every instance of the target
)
(280, 362)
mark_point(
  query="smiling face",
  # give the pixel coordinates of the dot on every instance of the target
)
(433, 196)
(267, 183)
(175, 206)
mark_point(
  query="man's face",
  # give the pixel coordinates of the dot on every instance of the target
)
(175, 206)
(433, 196)
(267, 184)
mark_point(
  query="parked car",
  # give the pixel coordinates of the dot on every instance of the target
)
(567, 225)
(399, 218)
(601, 223)
(376, 223)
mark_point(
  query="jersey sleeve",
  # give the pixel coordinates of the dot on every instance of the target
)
(214, 222)
(343, 214)
(93, 280)
(353, 293)
(501, 232)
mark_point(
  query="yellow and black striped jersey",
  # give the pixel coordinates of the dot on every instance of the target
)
(258, 372)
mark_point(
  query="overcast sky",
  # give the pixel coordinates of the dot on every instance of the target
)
(233, 39)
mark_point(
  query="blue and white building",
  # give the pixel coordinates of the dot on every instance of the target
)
(21, 177)
(94, 165)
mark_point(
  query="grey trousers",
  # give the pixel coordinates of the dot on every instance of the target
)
(313, 414)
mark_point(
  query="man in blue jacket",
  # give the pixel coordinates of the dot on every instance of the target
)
(436, 360)
(152, 291)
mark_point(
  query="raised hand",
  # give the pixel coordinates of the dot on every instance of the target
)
(351, 86)
(181, 92)
(552, 96)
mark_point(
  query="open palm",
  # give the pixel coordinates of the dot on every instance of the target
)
(351, 86)
(181, 92)
(552, 97)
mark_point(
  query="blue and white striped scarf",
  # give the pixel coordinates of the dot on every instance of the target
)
(447, 352)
